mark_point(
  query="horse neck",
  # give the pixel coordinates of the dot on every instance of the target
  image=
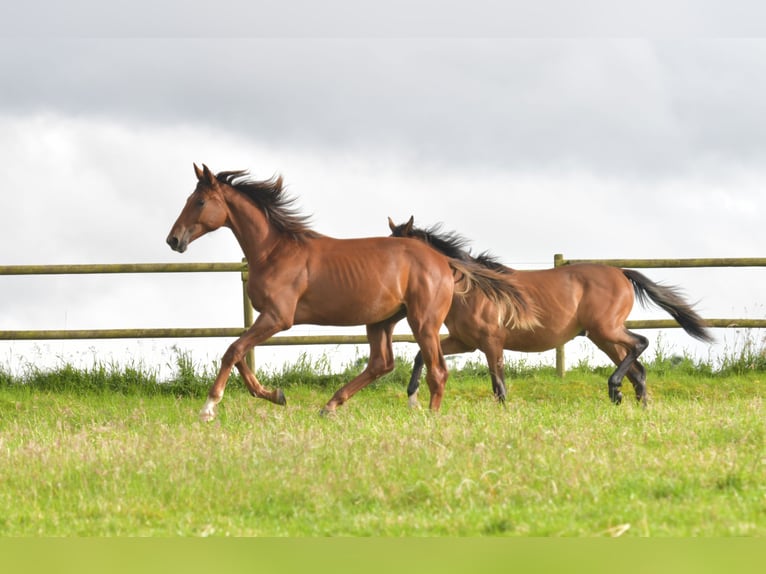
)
(255, 235)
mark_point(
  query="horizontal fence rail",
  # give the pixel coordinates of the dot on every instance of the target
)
(189, 332)
(668, 263)
(121, 268)
(106, 268)
(241, 267)
(182, 333)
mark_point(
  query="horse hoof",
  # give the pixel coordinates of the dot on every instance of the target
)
(617, 398)
(325, 412)
(206, 416)
(280, 399)
(412, 401)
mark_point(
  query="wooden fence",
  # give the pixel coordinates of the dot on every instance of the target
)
(160, 333)
(241, 268)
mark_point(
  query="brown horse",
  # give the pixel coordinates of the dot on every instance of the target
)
(585, 299)
(297, 276)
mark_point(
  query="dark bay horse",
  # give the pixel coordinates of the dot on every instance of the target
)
(583, 299)
(299, 276)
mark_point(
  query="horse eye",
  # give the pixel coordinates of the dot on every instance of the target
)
(201, 202)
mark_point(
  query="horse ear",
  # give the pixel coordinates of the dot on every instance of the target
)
(208, 175)
(391, 224)
(197, 172)
(408, 225)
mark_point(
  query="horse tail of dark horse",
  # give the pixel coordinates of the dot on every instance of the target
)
(669, 299)
(515, 309)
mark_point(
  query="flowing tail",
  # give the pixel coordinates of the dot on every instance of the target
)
(515, 310)
(669, 299)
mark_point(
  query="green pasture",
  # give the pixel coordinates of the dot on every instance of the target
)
(112, 451)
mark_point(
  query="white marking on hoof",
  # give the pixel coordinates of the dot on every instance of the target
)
(413, 401)
(326, 412)
(207, 413)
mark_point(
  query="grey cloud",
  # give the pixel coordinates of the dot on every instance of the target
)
(394, 18)
(636, 108)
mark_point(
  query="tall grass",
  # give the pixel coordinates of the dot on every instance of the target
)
(746, 353)
(109, 451)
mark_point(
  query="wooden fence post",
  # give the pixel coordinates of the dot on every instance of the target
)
(247, 307)
(558, 261)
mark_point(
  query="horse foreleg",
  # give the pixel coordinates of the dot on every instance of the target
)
(256, 389)
(412, 388)
(496, 364)
(264, 327)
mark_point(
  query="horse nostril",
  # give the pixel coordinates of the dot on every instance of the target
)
(173, 242)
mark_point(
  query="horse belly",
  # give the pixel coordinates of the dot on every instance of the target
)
(345, 309)
(548, 335)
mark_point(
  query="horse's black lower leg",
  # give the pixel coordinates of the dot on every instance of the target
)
(496, 366)
(498, 388)
(628, 363)
(637, 376)
(417, 370)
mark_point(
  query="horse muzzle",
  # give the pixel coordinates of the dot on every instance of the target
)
(177, 244)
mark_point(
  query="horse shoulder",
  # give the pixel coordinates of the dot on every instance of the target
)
(280, 278)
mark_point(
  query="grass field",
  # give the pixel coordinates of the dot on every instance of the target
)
(114, 452)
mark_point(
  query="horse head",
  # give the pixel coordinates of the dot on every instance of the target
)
(205, 211)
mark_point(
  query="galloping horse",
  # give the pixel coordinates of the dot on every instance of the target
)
(297, 275)
(583, 299)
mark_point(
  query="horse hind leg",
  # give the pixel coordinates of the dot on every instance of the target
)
(637, 376)
(433, 359)
(436, 369)
(630, 366)
(380, 337)
(624, 352)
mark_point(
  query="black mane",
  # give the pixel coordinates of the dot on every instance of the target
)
(269, 195)
(451, 244)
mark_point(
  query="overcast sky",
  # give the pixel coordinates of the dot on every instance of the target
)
(593, 133)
